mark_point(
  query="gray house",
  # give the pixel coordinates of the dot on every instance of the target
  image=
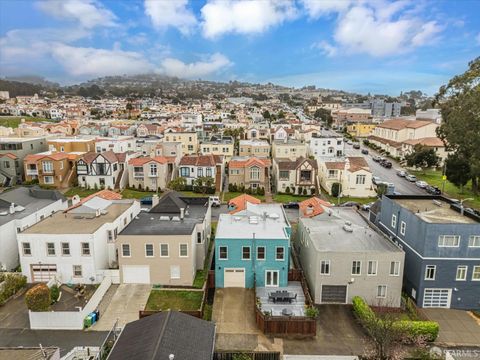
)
(442, 249)
(343, 257)
(12, 153)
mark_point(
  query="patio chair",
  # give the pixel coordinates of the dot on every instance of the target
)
(295, 297)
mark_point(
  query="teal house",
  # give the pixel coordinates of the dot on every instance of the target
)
(252, 247)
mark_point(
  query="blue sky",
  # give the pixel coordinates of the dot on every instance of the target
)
(376, 46)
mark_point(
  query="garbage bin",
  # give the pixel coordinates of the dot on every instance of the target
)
(97, 315)
(87, 322)
(94, 317)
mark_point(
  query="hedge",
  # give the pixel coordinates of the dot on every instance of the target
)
(428, 329)
(12, 283)
(38, 298)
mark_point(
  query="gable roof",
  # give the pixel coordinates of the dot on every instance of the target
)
(201, 160)
(109, 155)
(286, 164)
(252, 161)
(398, 124)
(10, 155)
(170, 203)
(157, 336)
(143, 160)
(313, 207)
(239, 203)
(358, 163)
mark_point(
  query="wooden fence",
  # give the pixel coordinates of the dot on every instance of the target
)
(224, 355)
(282, 325)
(211, 279)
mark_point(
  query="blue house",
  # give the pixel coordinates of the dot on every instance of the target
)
(252, 247)
(442, 249)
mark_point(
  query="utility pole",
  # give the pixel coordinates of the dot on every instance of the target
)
(444, 177)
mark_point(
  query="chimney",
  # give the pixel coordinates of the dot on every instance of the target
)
(182, 213)
(12, 208)
(155, 200)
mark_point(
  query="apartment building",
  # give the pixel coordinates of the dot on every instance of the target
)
(254, 147)
(224, 146)
(118, 144)
(361, 129)
(288, 149)
(250, 172)
(189, 140)
(71, 144)
(192, 167)
(150, 173)
(326, 145)
(77, 245)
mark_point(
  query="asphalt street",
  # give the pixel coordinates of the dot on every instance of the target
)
(402, 186)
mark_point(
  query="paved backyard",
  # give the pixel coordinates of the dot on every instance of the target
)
(233, 314)
(14, 314)
(457, 327)
(123, 305)
(337, 333)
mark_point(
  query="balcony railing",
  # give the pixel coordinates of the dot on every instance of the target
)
(138, 175)
(46, 172)
(32, 172)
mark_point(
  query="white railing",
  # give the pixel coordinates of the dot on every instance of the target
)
(32, 171)
(68, 320)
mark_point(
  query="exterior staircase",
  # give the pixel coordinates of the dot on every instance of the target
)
(119, 179)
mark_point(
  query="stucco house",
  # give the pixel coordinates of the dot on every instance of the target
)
(251, 172)
(297, 176)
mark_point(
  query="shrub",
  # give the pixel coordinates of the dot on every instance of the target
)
(38, 298)
(287, 190)
(304, 191)
(426, 329)
(12, 284)
(311, 312)
(299, 190)
(312, 191)
(336, 189)
(54, 293)
(361, 309)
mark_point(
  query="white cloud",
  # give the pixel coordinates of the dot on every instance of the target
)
(244, 17)
(81, 61)
(378, 28)
(165, 13)
(316, 8)
(327, 48)
(88, 13)
(212, 64)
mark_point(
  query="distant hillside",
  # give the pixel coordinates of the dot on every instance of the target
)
(34, 80)
(16, 88)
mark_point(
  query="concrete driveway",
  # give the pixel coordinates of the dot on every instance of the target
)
(234, 317)
(338, 333)
(14, 314)
(123, 305)
(457, 327)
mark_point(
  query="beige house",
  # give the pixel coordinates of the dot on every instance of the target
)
(71, 144)
(254, 147)
(166, 245)
(392, 133)
(222, 147)
(288, 149)
(352, 173)
(189, 140)
(251, 172)
(297, 175)
(150, 173)
(435, 143)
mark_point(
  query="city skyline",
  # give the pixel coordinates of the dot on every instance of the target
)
(363, 46)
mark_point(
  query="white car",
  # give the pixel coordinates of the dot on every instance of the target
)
(421, 184)
(214, 201)
(350, 142)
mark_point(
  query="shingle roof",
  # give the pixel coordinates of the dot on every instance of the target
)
(170, 203)
(157, 336)
(201, 160)
(286, 164)
(108, 155)
(358, 163)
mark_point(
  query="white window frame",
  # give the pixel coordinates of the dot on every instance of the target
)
(427, 267)
(395, 267)
(220, 252)
(394, 221)
(168, 251)
(26, 245)
(325, 265)
(179, 272)
(360, 271)
(276, 253)
(82, 249)
(474, 241)
(249, 252)
(463, 268)
(264, 253)
(54, 250)
(368, 267)
(180, 250)
(48, 177)
(67, 248)
(360, 179)
(442, 239)
(153, 251)
(81, 271)
(129, 251)
(379, 293)
(476, 272)
(403, 227)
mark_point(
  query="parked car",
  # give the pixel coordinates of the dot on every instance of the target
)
(214, 201)
(350, 142)
(291, 205)
(401, 173)
(376, 158)
(147, 200)
(376, 180)
(364, 151)
(433, 190)
(421, 184)
(356, 146)
(386, 164)
(349, 204)
(411, 178)
(366, 207)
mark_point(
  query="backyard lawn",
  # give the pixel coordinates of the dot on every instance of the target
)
(200, 277)
(136, 194)
(160, 300)
(82, 192)
(285, 198)
(227, 196)
(435, 178)
(14, 121)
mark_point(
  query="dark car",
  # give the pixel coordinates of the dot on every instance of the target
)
(291, 205)
(350, 204)
(364, 151)
(356, 146)
(386, 164)
(433, 190)
(147, 200)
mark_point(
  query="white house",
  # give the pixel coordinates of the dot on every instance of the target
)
(326, 145)
(117, 144)
(195, 166)
(76, 245)
(21, 208)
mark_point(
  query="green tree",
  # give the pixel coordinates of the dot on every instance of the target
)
(459, 102)
(178, 184)
(458, 170)
(38, 298)
(422, 157)
(336, 189)
(129, 108)
(324, 115)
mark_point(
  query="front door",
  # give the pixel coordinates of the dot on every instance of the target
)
(271, 278)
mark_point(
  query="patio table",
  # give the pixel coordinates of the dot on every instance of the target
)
(281, 296)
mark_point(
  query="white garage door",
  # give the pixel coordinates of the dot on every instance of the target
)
(136, 274)
(234, 278)
(437, 298)
(43, 272)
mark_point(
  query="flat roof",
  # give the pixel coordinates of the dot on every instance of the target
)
(327, 233)
(75, 223)
(435, 210)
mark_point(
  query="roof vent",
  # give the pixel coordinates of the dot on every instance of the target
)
(347, 228)
(253, 220)
(237, 218)
(3, 213)
(164, 218)
(175, 218)
(274, 216)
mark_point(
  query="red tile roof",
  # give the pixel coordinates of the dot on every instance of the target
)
(427, 141)
(313, 207)
(240, 202)
(252, 161)
(104, 194)
(398, 124)
(143, 160)
(10, 155)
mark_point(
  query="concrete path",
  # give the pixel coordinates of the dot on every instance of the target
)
(124, 306)
(457, 327)
(233, 314)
